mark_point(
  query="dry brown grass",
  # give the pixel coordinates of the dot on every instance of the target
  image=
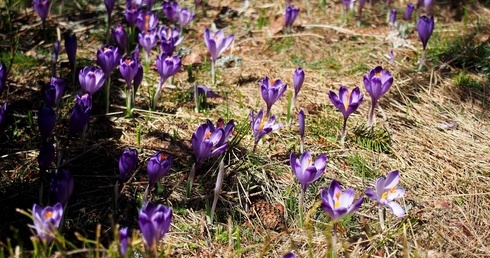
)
(445, 171)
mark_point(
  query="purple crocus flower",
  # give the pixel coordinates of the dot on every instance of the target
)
(346, 102)
(169, 38)
(42, 8)
(262, 125)
(338, 203)
(298, 79)
(171, 10)
(348, 5)
(216, 43)
(158, 166)
(305, 169)
(3, 77)
(131, 15)
(386, 191)
(185, 17)
(80, 113)
(393, 16)
(227, 129)
(167, 66)
(47, 220)
(109, 6)
(91, 79)
(290, 15)
(61, 186)
(426, 3)
(146, 21)
(127, 163)
(148, 40)
(71, 47)
(138, 78)
(409, 11)
(108, 58)
(56, 50)
(208, 143)
(271, 91)
(425, 26)
(53, 92)
(46, 121)
(123, 241)
(154, 221)
(46, 155)
(120, 37)
(128, 66)
(206, 91)
(362, 3)
(289, 255)
(377, 82)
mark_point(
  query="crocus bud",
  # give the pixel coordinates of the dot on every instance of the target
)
(109, 6)
(46, 121)
(71, 47)
(298, 79)
(185, 17)
(393, 16)
(158, 166)
(56, 49)
(42, 8)
(138, 78)
(290, 15)
(409, 11)
(124, 241)
(120, 37)
(53, 92)
(131, 15)
(3, 77)
(80, 113)
(425, 26)
(61, 186)
(127, 163)
(46, 155)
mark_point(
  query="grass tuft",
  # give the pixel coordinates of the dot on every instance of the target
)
(372, 138)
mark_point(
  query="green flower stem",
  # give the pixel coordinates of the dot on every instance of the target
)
(301, 207)
(370, 121)
(381, 218)
(196, 99)
(107, 93)
(344, 133)
(213, 72)
(422, 60)
(129, 94)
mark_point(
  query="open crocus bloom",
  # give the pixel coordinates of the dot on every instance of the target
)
(47, 220)
(271, 91)
(262, 125)
(346, 102)
(377, 82)
(306, 170)
(216, 43)
(208, 142)
(386, 191)
(338, 203)
(154, 221)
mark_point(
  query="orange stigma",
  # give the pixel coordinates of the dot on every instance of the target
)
(128, 60)
(219, 124)
(337, 199)
(207, 135)
(162, 157)
(262, 123)
(48, 214)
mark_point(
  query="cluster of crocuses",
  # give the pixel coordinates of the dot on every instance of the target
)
(377, 82)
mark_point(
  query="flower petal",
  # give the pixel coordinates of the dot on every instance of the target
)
(396, 209)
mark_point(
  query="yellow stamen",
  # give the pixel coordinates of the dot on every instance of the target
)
(377, 74)
(337, 199)
(347, 100)
(262, 123)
